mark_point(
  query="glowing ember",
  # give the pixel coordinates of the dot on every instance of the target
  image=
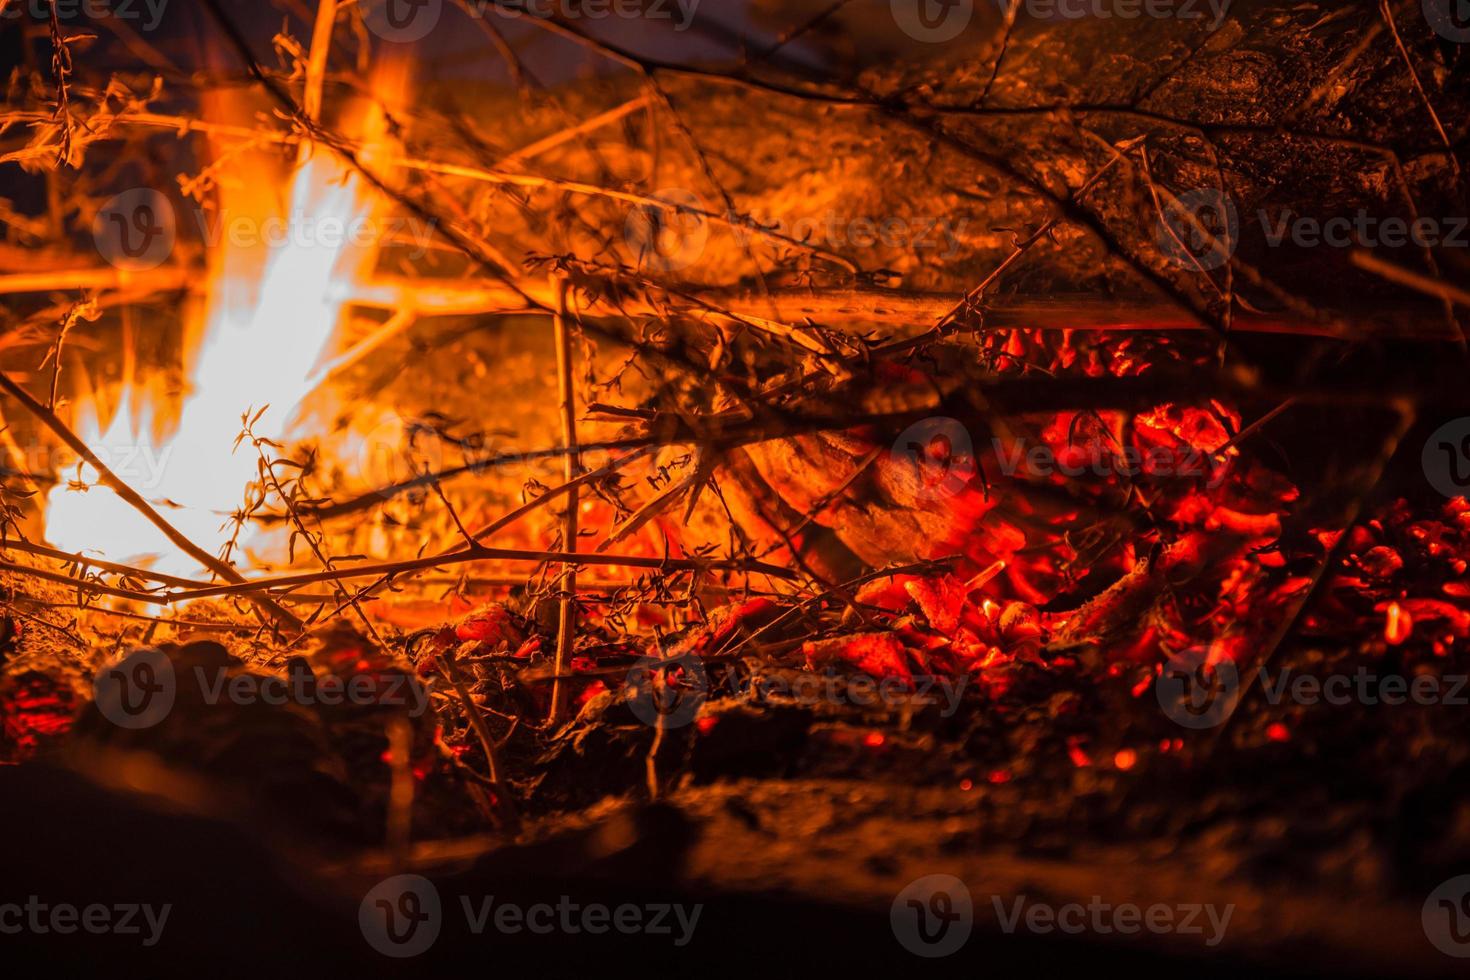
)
(1398, 624)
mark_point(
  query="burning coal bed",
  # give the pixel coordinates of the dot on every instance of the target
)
(560, 487)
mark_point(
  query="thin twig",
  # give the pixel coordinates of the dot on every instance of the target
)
(316, 61)
(506, 807)
(482, 553)
(1023, 246)
(512, 516)
(313, 541)
(78, 558)
(1410, 280)
(566, 633)
(1393, 28)
(84, 585)
(1407, 413)
(581, 129)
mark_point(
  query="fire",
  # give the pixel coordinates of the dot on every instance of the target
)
(273, 303)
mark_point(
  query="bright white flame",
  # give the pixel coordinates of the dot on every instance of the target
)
(260, 344)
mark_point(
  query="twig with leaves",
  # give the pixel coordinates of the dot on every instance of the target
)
(289, 493)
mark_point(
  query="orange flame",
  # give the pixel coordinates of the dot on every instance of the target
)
(272, 309)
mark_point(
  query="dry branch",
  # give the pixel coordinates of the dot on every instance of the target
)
(856, 307)
(566, 633)
(89, 586)
(482, 553)
(87, 561)
(1410, 279)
